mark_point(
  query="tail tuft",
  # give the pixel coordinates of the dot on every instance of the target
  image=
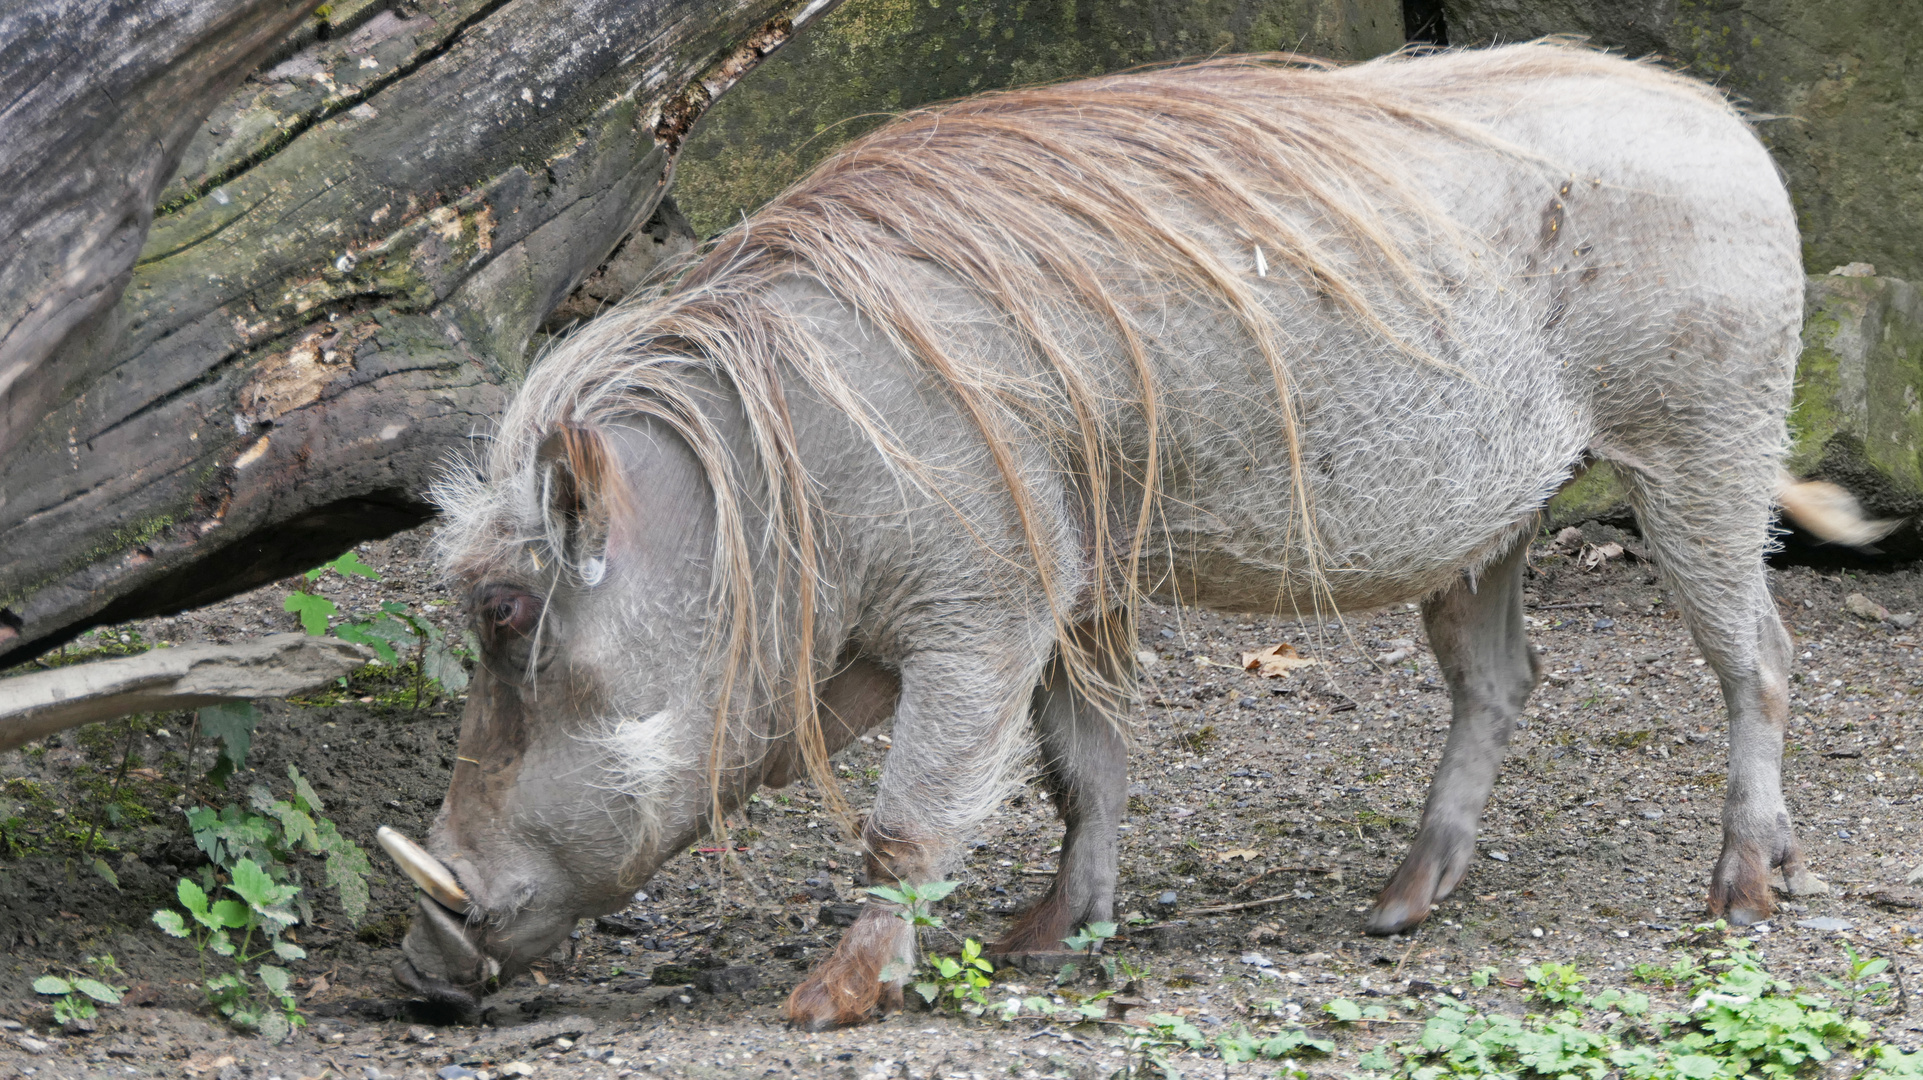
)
(1830, 513)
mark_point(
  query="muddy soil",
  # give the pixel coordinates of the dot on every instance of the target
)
(1263, 814)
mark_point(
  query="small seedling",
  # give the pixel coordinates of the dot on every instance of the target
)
(263, 909)
(1861, 988)
(434, 657)
(963, 980)
(74, 998)
(914, 901)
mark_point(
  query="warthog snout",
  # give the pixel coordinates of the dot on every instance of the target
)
(468, 931)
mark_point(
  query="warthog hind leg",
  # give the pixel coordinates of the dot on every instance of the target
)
(1085, 762)
(1477, 633)
(1706, 526)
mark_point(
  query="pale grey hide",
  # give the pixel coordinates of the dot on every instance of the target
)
(1620, 280)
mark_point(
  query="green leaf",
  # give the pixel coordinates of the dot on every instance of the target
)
(52, 984)
(229, 913)
(233, 725)
(194, 900)
(928, 991)
(350, 563)
(304, 792)
(313, 611)
(287, 950)
(936, 890)
(362, 634)
(170, 921)
(106, 873)
(220, 942)
(253, 884)
(98, 991)
(444, 666)
(274, 978)
(1343, 1009)
(886, 893)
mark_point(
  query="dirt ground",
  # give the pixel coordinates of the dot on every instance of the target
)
(1291, 798)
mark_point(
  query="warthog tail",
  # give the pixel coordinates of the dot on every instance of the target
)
(1829, 512)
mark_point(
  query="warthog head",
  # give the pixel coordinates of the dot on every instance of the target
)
(588, 751)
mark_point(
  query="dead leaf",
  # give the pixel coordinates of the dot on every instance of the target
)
(1597, 554)
(320, 987)
(538, 977)
(1275, 661)
(1245, 854)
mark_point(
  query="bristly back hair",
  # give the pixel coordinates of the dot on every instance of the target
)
(1062, 208)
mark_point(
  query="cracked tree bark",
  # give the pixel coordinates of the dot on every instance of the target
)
(347, 268)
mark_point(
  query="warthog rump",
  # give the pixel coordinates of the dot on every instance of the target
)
(1256, 333)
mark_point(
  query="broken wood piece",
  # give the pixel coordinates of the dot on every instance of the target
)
(37, 705)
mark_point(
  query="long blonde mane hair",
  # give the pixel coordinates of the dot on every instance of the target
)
(1061, 208)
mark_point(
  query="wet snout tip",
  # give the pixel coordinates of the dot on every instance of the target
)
(434, 878)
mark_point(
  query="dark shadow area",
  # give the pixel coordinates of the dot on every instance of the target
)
(292, 547)
(1424, 23)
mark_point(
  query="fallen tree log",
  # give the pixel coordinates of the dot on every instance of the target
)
(102, 97)
(36, 705)
(353, 259)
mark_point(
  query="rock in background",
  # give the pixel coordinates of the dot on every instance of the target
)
(1840, 76)
(872, 58)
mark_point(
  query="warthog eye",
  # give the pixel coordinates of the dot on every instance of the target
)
(511, 610)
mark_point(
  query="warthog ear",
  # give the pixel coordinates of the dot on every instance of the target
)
(581, 490)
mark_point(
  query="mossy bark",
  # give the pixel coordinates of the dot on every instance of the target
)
(346, 271)
(1838, 81)
(873, 58)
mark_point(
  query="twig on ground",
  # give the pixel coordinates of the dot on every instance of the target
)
(1283, 870)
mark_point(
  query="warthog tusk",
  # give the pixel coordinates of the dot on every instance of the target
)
(434, 879)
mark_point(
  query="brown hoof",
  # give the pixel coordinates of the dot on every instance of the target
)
(1432, 869)
(846, 988)
(1739, 890)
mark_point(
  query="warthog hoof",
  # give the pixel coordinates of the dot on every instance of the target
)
(847, 987)
(1435, 865)
(1740, 888)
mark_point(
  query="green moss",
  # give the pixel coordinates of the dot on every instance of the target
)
(872, 58)
(1815, 416)
(1596, 493)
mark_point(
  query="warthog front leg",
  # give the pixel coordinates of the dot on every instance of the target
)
(1085, 761)
(1477, 633)
(958, 729)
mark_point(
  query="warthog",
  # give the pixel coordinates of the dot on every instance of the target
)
(1260, 335)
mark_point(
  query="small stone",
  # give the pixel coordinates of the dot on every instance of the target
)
(1167, 900)
(728, 980)
(419, 1034)
(835, 915)
(1499, 856)
(1256, 959)
(369, 1072)
(1855, 269)
(456, 1072)
(1147, 658)
(1652, 815)
(32, 1045)
(517, 1068)
(10, 1025)
(1915, 876)
(1864, 608)
(1605, 624)
(1904, 621)
(1825, 923)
